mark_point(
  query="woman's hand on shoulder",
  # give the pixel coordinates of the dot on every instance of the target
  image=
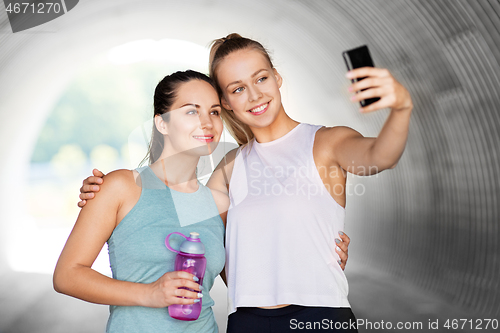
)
(115, 183)
(167, 290)
(90, 185)
(379, 82)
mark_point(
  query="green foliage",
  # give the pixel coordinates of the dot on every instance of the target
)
(102, 105)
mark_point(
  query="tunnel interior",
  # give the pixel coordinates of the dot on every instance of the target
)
(424, 235)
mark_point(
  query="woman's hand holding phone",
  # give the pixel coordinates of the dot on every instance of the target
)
(375, 88)
(379, 82)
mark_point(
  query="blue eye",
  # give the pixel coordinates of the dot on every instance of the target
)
(262, 79)
(237, 90)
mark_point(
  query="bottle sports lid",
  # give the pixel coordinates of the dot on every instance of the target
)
(191, 245)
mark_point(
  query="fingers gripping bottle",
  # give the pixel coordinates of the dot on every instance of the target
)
(191, 259)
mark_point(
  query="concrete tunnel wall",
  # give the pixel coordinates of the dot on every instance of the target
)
(432, 222)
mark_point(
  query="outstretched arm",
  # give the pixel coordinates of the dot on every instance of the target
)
(367, 156)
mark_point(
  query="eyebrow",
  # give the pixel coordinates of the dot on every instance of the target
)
(253, 75)
(197, 106)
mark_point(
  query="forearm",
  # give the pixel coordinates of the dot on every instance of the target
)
(91, 286)
(390, 143)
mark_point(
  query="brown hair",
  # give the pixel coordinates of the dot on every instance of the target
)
(164, 96)
(220, 48)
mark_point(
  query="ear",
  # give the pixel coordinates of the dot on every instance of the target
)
(161, 125)
(278, 77)
(225, 104)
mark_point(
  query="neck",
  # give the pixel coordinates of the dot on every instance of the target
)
(177, 171)
(278, 128)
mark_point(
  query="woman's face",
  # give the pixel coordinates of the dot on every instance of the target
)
(250, 87)
(195, 125)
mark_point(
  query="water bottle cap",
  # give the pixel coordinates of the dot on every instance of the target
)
(192, 244)
(194, 235)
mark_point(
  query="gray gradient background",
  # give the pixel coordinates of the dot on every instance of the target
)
(424, 236)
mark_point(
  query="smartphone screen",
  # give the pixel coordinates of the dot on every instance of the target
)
(356, 58)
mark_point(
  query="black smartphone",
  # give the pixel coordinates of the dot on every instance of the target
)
(356, 58)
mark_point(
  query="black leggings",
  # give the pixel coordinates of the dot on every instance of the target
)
(292, 318)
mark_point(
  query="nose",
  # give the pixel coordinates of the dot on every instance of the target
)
(206, 122)
(254, 94)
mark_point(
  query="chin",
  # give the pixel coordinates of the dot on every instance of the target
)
(262, 123)
(205, 149)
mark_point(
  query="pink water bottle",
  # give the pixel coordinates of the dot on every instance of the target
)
(191, 259)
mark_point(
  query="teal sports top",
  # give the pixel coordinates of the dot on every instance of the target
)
(137, 252)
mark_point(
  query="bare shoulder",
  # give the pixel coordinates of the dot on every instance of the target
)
(222, 174)
(120, 189)
(121, 177)
(120, 182)
(221, 200)
(115, 187)
(337, 133)
(328, 140)
(228, 160)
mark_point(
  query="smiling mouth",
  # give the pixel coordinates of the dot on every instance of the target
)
(204, 138)
(259, 109)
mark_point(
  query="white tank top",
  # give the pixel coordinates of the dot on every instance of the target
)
(281, 227)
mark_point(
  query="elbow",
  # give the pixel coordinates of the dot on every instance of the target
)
(390, 166)
(395, 163)
(59, 282)
(388, 162)
(381, 166)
